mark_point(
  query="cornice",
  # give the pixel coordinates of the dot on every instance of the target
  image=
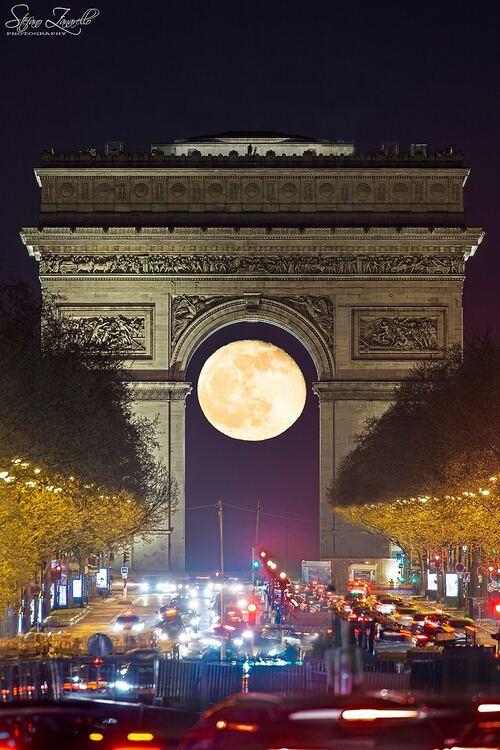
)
(161, 390)
(355, 390)
(275, 169)
(468, 235)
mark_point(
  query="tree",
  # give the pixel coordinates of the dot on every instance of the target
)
(440, 437)
(65, 404)
(45, 517)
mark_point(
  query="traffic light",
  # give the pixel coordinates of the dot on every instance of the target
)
(252, 613)
(495, 608)
(56, 572)
(256, 565)
(126, 557)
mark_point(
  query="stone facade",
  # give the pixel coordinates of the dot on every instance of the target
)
(362, 260)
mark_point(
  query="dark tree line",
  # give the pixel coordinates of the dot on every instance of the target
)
(440, 436)
(67, 405)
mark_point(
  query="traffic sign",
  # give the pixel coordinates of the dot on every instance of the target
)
(466, 576)
(459, 567)
(99, 644)
(124, 570)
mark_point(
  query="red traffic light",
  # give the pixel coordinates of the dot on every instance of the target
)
(252, 607)
(263, 554)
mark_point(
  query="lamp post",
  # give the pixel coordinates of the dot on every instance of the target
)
(221, 542)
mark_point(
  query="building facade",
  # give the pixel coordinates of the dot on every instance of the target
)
(361, 257)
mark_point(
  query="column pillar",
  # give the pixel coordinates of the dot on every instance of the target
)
(324, 393)
(164, 549)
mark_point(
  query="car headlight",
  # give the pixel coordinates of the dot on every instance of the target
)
(138, 626)
(183, 638)
(118, 626)
(122, 685)
(247, 634)
(238, 642)
(145, 586)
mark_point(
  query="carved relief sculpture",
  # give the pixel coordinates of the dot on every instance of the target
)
(210, 264)
(318, 309)
(185, 308)
(120, 333)
(389, 334)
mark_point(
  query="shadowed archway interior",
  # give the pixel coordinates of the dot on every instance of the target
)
(245, 472)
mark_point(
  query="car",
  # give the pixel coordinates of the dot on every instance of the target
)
(155, 584)
(404, 614)
(128, 621)
(464, 627)
(483, 732)
(387, 604)
(382, 721)
(82, 723)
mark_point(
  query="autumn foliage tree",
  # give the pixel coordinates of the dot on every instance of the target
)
(78, 473)
(425, 472)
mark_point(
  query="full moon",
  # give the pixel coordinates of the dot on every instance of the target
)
(251, 390)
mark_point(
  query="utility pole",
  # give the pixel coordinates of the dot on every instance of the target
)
(286, 546)
(257, 524)
(221, 542)
(256, 540)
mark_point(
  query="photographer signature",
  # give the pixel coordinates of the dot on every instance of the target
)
(23, 22)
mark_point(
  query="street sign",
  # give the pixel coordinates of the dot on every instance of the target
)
(124, 571)
(99, 644)
(466, 576)
(459, 567)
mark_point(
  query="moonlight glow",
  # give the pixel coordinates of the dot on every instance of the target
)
(251, 390)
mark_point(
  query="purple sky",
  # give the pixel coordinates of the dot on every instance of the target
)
(154, 71)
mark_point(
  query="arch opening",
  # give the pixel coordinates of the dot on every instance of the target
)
(315, 336)
(283, 473)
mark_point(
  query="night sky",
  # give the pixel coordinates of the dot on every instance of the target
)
(151, 72)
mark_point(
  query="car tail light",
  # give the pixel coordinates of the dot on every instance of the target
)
(234, 726)
(372, 714)
(140, 736)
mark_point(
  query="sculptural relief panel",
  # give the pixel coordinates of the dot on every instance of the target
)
(398, 333)
(126, 331)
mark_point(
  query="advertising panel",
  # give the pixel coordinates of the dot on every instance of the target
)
(432, 582)
(451, 584)
(76, 584)
(101, 579)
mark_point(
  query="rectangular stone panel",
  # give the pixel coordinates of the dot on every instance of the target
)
(125, 329)
(398, 332)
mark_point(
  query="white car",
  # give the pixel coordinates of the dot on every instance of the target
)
(128, 621)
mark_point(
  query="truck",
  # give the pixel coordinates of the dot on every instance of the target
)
(317, 570)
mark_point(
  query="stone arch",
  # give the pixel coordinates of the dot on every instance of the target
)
(316, 336)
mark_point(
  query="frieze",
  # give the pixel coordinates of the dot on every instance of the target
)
(212, 263)
(374, 191)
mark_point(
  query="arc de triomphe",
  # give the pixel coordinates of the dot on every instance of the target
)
(361, 257)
